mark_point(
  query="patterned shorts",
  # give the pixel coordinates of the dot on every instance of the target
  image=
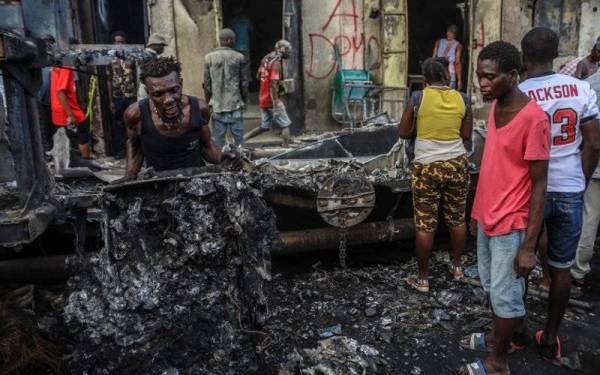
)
(446, 182)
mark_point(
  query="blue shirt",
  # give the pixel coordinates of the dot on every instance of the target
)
(241, 26)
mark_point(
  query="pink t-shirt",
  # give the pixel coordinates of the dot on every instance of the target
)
(504, 189)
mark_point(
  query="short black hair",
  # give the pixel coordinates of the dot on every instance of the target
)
(540, 45)
(435, 69)
(159, 67)
(118, 33)
(505, 54)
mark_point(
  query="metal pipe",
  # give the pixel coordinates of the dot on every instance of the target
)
(268, 152)
(362, 234)
(34, 269)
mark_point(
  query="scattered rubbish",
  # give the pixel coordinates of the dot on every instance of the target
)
(370, 312)
(440, 315)
(328, 332)
(472, 271)
(336, 356)
(448, 298)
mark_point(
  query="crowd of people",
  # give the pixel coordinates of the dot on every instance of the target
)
(537, 180)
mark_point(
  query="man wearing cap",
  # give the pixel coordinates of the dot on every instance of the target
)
(589, 65)
(154, 48)
(225, 88)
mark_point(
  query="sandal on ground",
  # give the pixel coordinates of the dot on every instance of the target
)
(478, 368)
(422, 285)
(456, 271)
(544, 287)
(477, 343)
(548, 352)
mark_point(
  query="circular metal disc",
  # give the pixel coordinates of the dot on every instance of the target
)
(346, 200)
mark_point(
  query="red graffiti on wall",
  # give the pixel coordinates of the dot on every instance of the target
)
(350, 45)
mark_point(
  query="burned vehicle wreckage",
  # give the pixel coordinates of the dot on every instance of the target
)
(176, 276)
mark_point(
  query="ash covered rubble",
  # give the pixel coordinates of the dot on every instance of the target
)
(379, 325)
(313, 176)
(179, 286)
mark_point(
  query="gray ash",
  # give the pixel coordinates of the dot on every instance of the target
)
(180, 282)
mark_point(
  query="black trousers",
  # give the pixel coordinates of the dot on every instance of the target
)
(119, 131)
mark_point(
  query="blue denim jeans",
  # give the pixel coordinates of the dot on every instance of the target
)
(234, 121)
(564, 219)
(495, 262)
(277, 114)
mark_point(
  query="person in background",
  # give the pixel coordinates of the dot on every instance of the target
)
(66, 110)
(123, 89)
(589, 65)
(509, 202)
(226, 89)
(571, 106)
(574, 69)
(155, 47)
(451, 49)
(242, 27)
(442, 118)
(272, 108)
(591, 213)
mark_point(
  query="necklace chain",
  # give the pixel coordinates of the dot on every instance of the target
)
(170, 125)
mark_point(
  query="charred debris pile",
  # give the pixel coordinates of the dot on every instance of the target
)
(179, 285)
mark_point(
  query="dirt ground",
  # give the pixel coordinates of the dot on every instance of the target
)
(414, 332)
(404, 332)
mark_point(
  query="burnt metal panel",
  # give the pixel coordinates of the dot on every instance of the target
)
(11, 16)
(24, 136)
(26, 228)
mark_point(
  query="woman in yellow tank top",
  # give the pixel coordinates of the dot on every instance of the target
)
(440, 174)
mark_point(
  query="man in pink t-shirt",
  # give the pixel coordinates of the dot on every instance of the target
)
(509, 202)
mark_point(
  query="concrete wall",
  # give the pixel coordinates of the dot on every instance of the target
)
(486, 28)
(589, 29)
(516, 20)
(325, 24)
(190, 26)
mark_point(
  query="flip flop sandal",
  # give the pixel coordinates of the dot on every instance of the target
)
(478, 368)
(477, 343)
(456, 271)
(548, 352)
(421, 285)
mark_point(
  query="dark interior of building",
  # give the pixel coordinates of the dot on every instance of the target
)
(266, 27)
(428, 21)
(128, 16)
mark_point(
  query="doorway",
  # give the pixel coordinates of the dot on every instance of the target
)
(428, 21)
(116, 15)
(258, 25)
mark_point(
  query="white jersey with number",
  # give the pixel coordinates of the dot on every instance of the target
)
(568, 102)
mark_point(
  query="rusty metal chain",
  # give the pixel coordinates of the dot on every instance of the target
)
(342, 251)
